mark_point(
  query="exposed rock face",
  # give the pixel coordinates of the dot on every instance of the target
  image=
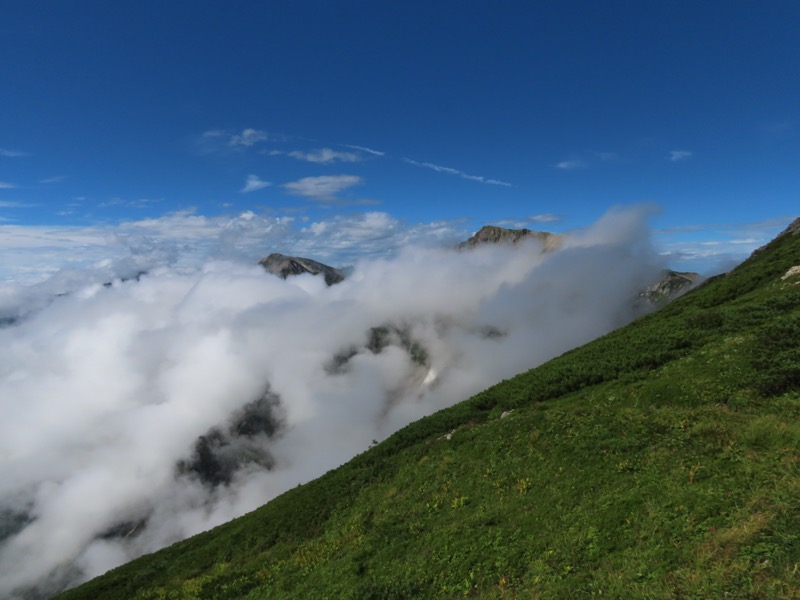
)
(793, 272)
(490, 234)
(223, 451)
(283, 266)
(672, 285)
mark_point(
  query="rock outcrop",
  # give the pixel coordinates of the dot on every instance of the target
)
(672, 285)
(283, 266)
(490, 234)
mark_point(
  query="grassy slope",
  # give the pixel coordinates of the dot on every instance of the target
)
(660, 461)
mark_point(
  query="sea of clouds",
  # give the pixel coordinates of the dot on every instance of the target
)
(137, 411)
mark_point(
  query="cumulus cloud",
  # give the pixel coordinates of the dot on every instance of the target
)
(324, 187)
(62, 257)
(678, 155)
(254, 183)
(452, 171)
(325, 156)
(185, 240)
(109, 393)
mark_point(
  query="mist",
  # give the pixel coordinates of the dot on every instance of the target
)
(143, 411)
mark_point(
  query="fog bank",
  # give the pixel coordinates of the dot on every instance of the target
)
(135, 414)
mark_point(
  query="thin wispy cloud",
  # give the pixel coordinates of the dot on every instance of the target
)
(452, 171)
(56, 179)
(324, 187)
(607, 156)
(4, 185)
(12, 204)
(678, 155)
(570, 165)
(766, 229)
(6, 153)
(365, 149)
(325, 156)
(544, 218)
(525, 222)
(254, 183)
(221, 141)
(248, 137)
(126, 203)
(717, 247)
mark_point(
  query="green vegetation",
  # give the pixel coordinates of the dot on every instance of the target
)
(660, 461)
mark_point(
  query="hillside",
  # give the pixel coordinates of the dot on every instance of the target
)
(660, 461)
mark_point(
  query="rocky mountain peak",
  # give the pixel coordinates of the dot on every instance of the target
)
(283, 266)
(670, 286)
(491, 234)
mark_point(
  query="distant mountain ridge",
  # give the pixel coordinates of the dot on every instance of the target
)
(670, 286)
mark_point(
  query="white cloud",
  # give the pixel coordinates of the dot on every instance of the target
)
(13, 204)
(6, 186)
(122, 202)
(569, 165)
(224, 142)
(678, 155)
(349, 238)
(544, 218)
(6, 153)
(254, 183)
(452, 171)
(364, 149)
(94, 422)
(324, 187)
(56, 179)
(186, 239)
(325, 156)
(527, 222)
(715, 247)
(248, 137)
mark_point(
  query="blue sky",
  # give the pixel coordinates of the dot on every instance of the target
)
(348, 125)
